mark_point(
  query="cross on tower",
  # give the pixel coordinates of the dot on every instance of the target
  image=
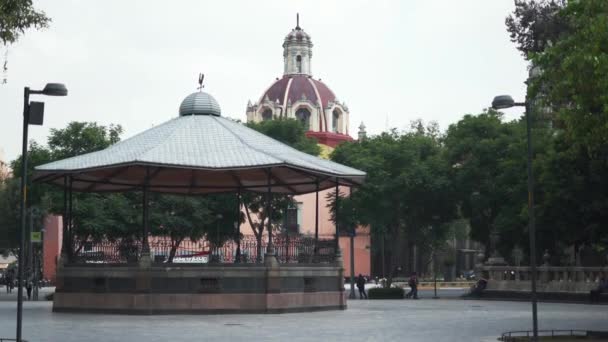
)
(201, 77)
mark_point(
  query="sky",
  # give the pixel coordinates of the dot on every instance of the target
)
(132, 62)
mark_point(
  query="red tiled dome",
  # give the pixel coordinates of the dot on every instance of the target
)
(297, 86)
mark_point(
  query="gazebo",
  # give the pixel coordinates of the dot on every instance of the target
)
(199, 152)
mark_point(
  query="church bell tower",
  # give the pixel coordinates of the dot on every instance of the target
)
(297, 51)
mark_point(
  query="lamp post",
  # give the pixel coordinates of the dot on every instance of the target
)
(503, 102)
(33, 114)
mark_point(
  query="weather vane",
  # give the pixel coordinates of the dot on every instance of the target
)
(201, 77)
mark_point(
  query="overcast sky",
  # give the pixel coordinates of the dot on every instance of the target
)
(132, 62)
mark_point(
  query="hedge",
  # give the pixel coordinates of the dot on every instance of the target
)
(386, 293)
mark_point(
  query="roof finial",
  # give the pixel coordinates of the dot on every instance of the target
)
(201, 77)
(297, 21)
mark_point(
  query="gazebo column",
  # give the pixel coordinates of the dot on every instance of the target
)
(270, 258)
(338, 259)
(64, 243)
(145, 259)
(70, 223)
(316, 247)
(337, 248)
(237, 258)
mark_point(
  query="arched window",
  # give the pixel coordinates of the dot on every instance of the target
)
(299, 63)
(267, 115)
(335, 122)
(303, 115)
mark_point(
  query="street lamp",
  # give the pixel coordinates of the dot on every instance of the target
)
(503, 102)
(33, 114)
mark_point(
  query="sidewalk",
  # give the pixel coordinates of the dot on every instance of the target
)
(12, 297)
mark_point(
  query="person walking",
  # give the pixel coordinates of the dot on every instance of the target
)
(594, 295)
(361, 286)
(29, 285)
(413, 283)
(9, 279)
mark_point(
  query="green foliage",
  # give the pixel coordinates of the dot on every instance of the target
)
(574, 77)
(408, 191)
(290, 132)
(534, 24)
(9, 214)
(489, 171)
(189, 217)
(16, 16)
(82, 137)
(386, 293)
(93, 213)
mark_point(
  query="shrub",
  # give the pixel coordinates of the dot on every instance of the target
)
(386, 293)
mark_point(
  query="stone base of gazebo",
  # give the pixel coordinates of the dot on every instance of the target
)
(206, 288)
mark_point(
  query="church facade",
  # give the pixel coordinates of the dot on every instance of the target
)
(297, 95)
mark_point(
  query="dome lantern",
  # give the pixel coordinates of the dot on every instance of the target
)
(199, 103)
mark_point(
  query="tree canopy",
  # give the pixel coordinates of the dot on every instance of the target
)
(288, 131)
(17, 16)
(407, 192)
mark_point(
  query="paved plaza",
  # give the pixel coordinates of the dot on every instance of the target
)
(372, 320)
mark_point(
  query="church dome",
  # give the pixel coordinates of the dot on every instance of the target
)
(199, 103)
(297, 35)
(293, 88)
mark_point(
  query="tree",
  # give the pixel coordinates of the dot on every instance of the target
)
(407, 189)
(17, 16)
(92, 212)
(292, 133)
(288, 131)
(574, 76)
(256, 204)
(179, 218)
(534, 25)
(490, 184)
(572, 85)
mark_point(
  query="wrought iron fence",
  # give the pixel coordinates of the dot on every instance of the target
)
(288, 249)
(527, 335)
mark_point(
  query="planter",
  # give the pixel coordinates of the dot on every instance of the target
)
(386, 293)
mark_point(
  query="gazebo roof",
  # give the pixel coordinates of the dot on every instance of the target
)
(196, 154)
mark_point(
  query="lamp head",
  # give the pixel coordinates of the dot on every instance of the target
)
(502, 102)
(55, 89)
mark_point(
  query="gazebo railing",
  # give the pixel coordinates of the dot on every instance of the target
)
(288, 249)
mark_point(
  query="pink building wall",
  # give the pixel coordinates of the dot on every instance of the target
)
(51, 245)
(362, 252)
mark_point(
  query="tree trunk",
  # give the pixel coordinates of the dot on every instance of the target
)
(258, 230)
(174, 246)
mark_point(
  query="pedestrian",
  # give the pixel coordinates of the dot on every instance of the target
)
(413, 284)
(361, 286)
(594, 295)
(9, 281)
(29, 285)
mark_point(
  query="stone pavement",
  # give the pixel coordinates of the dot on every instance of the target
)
(373, 320)
(13, 295)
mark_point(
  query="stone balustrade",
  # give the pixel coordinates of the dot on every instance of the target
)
(549, 278)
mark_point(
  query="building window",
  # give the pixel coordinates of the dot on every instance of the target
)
(267, 115)
(303, 115)
(336, 121)
(299, 63)
(293, 218)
